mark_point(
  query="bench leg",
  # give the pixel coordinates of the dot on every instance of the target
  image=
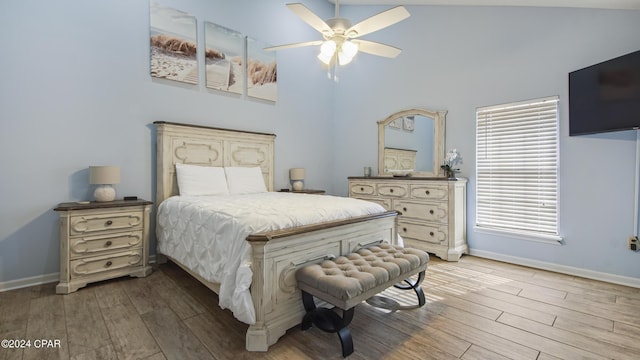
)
(329, 321)
(415, 286)
(391, 304)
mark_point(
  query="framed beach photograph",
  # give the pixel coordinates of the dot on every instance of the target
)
(224, 54)
(262, 71)
(173, 44)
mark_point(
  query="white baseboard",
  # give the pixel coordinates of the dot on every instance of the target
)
(41, 279)
(569, 270)
(30, 281)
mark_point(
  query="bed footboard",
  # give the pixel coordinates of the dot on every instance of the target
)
(277, 255)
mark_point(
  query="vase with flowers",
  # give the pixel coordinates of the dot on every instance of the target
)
(450, 161)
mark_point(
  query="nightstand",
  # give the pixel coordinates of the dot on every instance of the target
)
(102, 240)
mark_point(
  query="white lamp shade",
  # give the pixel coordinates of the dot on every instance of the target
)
(296, 174)
(100, 175)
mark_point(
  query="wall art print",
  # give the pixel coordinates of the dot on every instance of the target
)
(262, 71)
(173, 36)
(224, 54)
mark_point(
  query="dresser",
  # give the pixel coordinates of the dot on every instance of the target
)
(100, 241)
(432, 210)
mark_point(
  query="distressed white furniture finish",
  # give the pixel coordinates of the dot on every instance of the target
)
(438, 138)
(100, 241)
(399, 159)
(433, 211)
(275, 255)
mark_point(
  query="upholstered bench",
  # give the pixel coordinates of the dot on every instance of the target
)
(346, 281)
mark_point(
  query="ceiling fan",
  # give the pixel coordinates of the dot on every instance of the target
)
(341, 39)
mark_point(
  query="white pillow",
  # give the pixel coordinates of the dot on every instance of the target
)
(245, 180)
(201, 180)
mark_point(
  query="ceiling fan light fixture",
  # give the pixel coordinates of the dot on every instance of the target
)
(349, 48)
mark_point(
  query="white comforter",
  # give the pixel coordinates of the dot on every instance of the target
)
(207, 233)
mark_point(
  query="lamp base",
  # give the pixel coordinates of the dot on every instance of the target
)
(297, 185)
(104, 193)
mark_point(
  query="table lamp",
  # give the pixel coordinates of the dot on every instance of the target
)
(296, 175)
(104, 177)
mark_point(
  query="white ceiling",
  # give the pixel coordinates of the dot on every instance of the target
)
(598, 4)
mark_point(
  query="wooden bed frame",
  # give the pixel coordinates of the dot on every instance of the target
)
(275, 255)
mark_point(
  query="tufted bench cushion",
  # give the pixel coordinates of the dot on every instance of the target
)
(348, 280)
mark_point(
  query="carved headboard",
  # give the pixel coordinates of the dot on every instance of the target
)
(208, 146)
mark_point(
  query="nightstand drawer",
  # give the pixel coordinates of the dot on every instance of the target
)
(101, 264)
(96, 244)
(87, 224)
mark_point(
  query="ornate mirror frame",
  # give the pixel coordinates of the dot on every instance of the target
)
(438, 145)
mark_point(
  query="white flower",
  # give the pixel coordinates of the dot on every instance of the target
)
(452, 158)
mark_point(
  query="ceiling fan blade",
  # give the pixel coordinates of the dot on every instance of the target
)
(376, 48)
(310, 18)
(377, 22)
(294, 45)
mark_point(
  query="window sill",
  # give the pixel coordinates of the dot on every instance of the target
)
(521, 235)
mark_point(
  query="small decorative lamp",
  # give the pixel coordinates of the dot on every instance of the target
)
(104, 177)
(296, 175)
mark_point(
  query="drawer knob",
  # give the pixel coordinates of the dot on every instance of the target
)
(404, 209)
(404, 229)
(108, 263)
(427, 192)
(431, 212)
(108, 243)
(108, 223)
(361, 189)
(431, 233)
(390, 190)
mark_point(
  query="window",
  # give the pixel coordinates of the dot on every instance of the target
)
(517, 168)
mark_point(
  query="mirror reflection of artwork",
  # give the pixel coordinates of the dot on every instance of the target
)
(262, 71)
(409, 123)
(173, 44)
(223, 58)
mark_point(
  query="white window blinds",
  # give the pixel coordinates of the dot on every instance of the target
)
(517, 167)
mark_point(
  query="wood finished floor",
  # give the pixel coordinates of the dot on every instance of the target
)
(476, 309)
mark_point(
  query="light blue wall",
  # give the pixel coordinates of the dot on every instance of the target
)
(75, 91)
(461, 58)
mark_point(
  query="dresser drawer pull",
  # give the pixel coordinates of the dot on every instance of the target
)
(108, 263)
(404, 209)
(404, 229)
(431, 233)
(108, 223)
(431, 212)
(361, 189)
(390, 190)
(108, 243)
(427, 192)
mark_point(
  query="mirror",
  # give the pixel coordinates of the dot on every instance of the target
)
(411, 142)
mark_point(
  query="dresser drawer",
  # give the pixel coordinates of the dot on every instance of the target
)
(429, 192)
(422, 211)
(102, 264)
(431, 233)
(362, 189)
(386, 203)
(393, 190)
(87, 224)
(95, 244)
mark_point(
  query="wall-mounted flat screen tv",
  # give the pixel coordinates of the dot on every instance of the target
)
(606, 96)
